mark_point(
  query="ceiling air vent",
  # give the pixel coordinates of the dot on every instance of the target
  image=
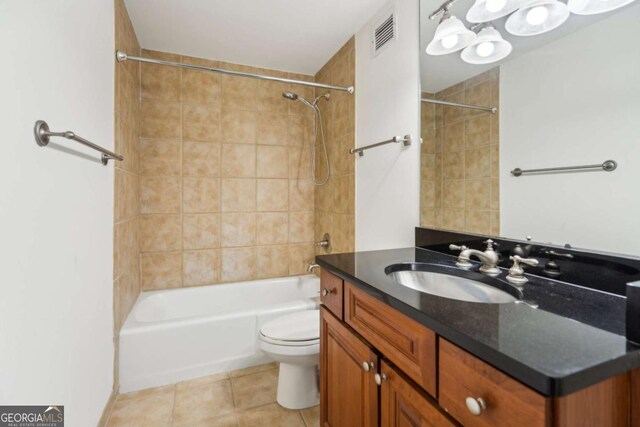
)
(384, 33)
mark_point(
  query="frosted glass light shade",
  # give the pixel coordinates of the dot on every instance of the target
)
(490, 10)
(451, 36)
(488, 47)
(537, 17)
(593, 7)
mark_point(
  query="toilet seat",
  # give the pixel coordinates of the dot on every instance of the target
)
(298, 329)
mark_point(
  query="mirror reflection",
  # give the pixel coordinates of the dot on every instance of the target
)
(529, 120)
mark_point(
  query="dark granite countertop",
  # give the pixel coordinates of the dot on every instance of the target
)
(574, 339)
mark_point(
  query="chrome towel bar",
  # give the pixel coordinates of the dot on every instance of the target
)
(406, 141)
(43, 134)
(121, 57)
(491, 110)
(607, 166)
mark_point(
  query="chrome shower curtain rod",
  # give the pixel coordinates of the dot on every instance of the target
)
(121, 57)
(492, 110)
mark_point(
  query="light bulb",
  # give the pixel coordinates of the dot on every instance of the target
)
(485, 49)
(537, 15)
(494, 6)
(449, 41)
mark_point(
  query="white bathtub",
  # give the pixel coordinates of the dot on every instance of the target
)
(181, 334)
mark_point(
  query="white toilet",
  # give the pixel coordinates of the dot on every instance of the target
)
(294, 341)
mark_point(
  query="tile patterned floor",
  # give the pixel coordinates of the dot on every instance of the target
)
(243, 398)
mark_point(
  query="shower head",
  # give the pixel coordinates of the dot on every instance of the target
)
(290, 95)
(294, 96)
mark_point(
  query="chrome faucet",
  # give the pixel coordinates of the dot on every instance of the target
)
(311, 267)
(516, 272)
(489, 258)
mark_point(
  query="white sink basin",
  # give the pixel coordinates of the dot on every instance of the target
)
(448, 286)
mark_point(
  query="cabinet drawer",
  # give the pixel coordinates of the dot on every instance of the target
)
(507, 402)
(406, 343)
(331, 292)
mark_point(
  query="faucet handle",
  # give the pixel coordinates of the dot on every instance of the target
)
(490, 244)
(553, 254)
(457, 248)
(528, 261)
(516, 272)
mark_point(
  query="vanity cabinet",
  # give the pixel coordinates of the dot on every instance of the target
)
(378, 367)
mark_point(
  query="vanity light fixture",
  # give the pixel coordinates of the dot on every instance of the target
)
(489, 10)
(451, 35)
(488, 47)
(537, 17)
(593, 7)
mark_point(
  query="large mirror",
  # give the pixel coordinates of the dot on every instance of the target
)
(511, 86)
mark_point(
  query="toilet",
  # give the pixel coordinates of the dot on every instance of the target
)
(294, 341)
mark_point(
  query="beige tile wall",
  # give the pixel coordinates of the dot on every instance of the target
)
(126, 284)
(335, 201)
(225, 193)
(459, 159)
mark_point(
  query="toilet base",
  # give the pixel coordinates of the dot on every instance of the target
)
(298, 386)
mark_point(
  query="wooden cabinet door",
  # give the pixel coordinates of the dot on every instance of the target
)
(348, 392)
(403, 405)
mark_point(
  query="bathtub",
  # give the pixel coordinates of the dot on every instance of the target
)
(180, 334)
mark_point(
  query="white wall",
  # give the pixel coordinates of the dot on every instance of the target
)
(575, 101)
(56, 209)
(387, 104)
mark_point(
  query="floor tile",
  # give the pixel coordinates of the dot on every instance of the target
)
(242, 397)
(229, 420)
(254, 390)
(196, 404)
(270, 415)
(152, 407)
(252, 370)
(311, 416)
(210, 379)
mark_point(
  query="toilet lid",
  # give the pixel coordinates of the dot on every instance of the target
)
(300, 326)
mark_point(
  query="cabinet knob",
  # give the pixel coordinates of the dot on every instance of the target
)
(476, 405)
(380, 378)
(366, 367)
(325, 292)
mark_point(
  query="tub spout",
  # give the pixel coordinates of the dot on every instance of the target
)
(311, 267)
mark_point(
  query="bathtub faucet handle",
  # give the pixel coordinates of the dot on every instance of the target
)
(312, 267)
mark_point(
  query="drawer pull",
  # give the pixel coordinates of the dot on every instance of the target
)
(476, 406)
(380, 378)
(326, 292)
